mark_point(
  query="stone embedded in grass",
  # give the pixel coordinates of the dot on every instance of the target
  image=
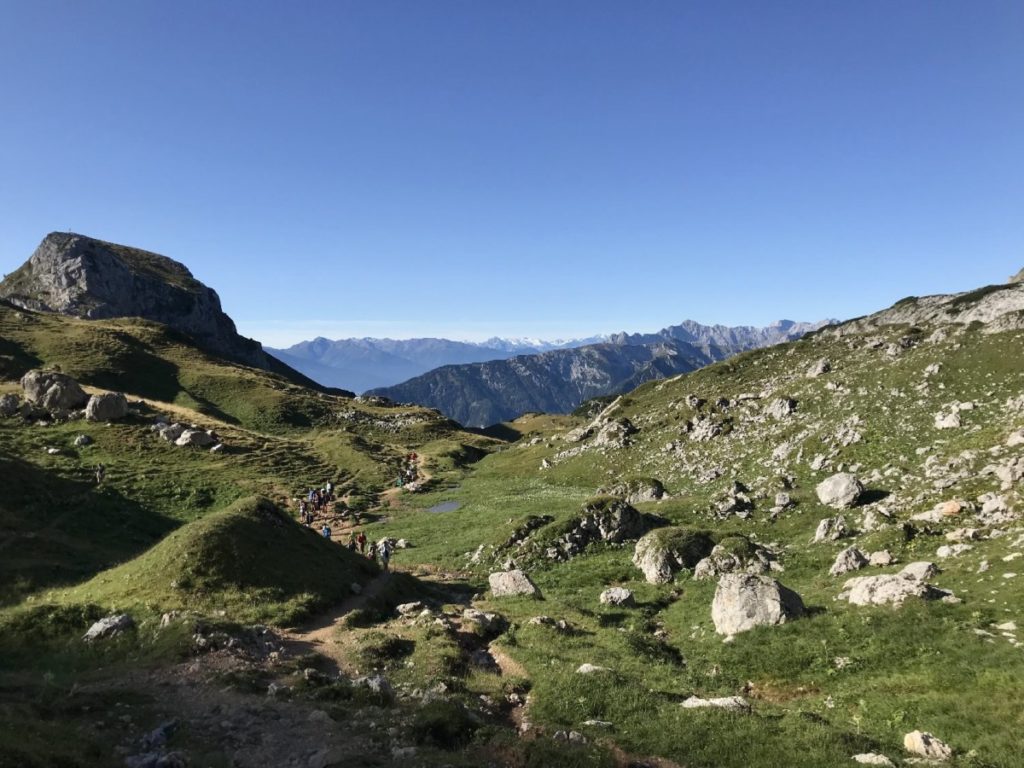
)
(195, 438)
(873, 758)
(880, 558)
(952, 550)
(745, 601)
(948, 420)
(618, 596)
(893, 589)
(590, 669)
(510, 583)
(107, 406)
(840, 491)
(109, 627)
(735, 554)
(819, 368)
(850, 559)
(924, 744)
(731, 703)
(82, 441)
(831, 529)
(781, 408)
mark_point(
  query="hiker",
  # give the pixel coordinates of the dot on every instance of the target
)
(302, 510)
(101, 473)
(361, 541)
(326, 531)
(329, 488)
(352, 542)
(385, 553)
(372, 554)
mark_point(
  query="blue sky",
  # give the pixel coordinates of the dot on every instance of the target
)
(523, 168)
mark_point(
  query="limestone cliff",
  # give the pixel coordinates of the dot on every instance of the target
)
(80, 276)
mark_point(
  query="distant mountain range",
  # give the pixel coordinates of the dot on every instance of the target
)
(363, 364)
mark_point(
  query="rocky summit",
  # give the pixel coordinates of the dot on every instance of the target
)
(83, 277)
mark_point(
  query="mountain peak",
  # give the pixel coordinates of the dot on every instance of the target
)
(81, 276)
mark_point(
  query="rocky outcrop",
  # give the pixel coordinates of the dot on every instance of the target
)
(109, 627)
(636, 490)
(735, 554)
(664, 552)
(744, 601)
(109, 406)
(893, 589)
(604, 518)
(53, 391)
(79, 276)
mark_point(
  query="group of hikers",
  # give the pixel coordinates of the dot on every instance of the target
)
(321, 503)
(409, 473)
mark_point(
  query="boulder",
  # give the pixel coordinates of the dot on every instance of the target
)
(892, 589)
(509, 583)
(636, 490)
(108, 406)
(10, 404)
(170, 432)
(196, 438)
(109, 627)
(745, 601)
(82, 441)
(841, 491)
(1016, 438)
(664, 552)
(617, 596)
(948, 420)
(830, 529)
(880, 558)
(850, 559)
(924, 744)
(53, 391)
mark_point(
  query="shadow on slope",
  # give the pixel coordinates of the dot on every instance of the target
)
(55, 530)
(250, 560)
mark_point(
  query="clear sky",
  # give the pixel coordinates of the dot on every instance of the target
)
(534, 167)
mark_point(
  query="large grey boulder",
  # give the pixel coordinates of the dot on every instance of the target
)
(511, 583)
(664, 552)
(841, 491)
(108, 406)
(109, 626)
(618, 596)
(636, 490)
(53, 391)
(744, 601)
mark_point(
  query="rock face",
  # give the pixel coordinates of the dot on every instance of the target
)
(841, 491)
(509, 583)
(108, 406)
(664, 552)
(53, 391)
(83, 277)
(744, 601)
(924, 744)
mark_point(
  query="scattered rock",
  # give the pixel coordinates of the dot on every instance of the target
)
(948, 420)
(880, 558)
(590, 669)
(82, 441)
(873, 758)
(745, 601)
(840, 491)
(514, 582)
(819, 368)
(109, 627)
(924, 744)
(735, 554)
(636, 490)
(618, 596)
(731, 703)
(109, 406)
(781, 408)
(831, 529)
(196, 438)
(892, 589)
(850, 559)
(604, 518)
(10, 404)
